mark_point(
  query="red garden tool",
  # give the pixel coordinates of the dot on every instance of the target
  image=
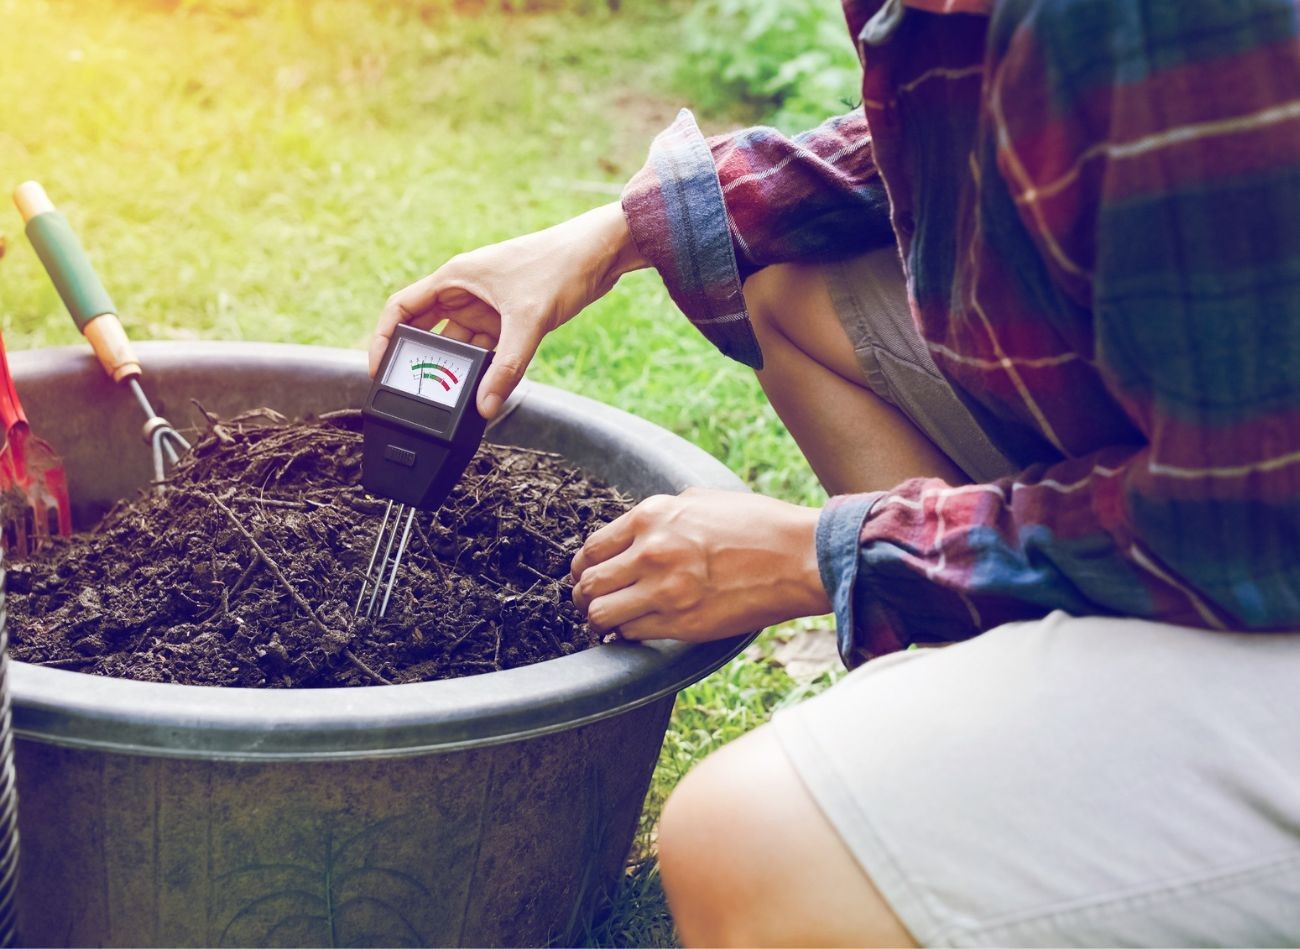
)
(33, 485)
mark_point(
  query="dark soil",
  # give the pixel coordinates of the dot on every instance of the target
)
(246, 569)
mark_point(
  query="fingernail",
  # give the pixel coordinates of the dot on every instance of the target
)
(491, 404)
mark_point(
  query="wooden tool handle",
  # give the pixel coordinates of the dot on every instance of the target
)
(83, 293)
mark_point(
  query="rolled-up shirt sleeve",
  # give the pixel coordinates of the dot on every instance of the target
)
(709, 212)
(838, 530)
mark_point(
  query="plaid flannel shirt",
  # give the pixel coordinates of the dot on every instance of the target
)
(1097, 204)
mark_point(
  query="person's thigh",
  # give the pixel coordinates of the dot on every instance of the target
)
(795, 301)
(1070, 782)
(853, 438)
(852, 319)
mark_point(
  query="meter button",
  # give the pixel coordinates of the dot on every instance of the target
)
(399, 455)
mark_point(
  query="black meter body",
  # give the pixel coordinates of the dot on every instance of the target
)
(420, 423)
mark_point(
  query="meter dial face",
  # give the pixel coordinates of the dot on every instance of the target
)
(427, 372)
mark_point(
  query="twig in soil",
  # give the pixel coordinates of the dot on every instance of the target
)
(537, 573)
(353, 658)
(339, 413)
(366, 507)
(563, 482)
(211, 419)
(226, 592)
(275, 502)
(66, 663)
(433, 557)
(554, 456)
(293, 592)
(542, 537)
(238, 584)
(473, 630)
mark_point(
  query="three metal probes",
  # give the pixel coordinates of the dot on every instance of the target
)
(420, 428)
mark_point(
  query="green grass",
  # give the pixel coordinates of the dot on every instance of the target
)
(275, 175)
(273, 170)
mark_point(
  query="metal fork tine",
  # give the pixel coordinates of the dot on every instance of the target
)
(160, 435)
(40, 522)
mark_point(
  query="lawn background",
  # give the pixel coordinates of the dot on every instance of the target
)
(273, 170)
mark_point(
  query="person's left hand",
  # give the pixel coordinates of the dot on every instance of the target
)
(703, 565)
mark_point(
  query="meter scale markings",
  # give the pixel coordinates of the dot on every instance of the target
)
(430, 370)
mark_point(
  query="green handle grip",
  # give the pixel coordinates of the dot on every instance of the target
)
(91, 307)
(69, 267)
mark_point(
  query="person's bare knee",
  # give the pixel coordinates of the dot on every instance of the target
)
(748, 859)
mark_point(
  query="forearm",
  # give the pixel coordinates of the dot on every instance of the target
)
(620, 254)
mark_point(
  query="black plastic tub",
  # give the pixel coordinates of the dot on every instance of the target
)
(489, 810)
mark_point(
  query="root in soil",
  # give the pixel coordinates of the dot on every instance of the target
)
(245, 570)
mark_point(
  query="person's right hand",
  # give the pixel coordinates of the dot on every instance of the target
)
(510, 295)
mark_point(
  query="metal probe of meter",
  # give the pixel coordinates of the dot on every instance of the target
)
(420, 428)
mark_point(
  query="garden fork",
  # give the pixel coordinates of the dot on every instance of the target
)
(93, 311)
(33, 485)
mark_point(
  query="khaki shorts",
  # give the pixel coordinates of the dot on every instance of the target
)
(1068, 781)
(870, 298)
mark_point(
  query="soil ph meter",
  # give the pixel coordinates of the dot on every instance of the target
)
(420, 427)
